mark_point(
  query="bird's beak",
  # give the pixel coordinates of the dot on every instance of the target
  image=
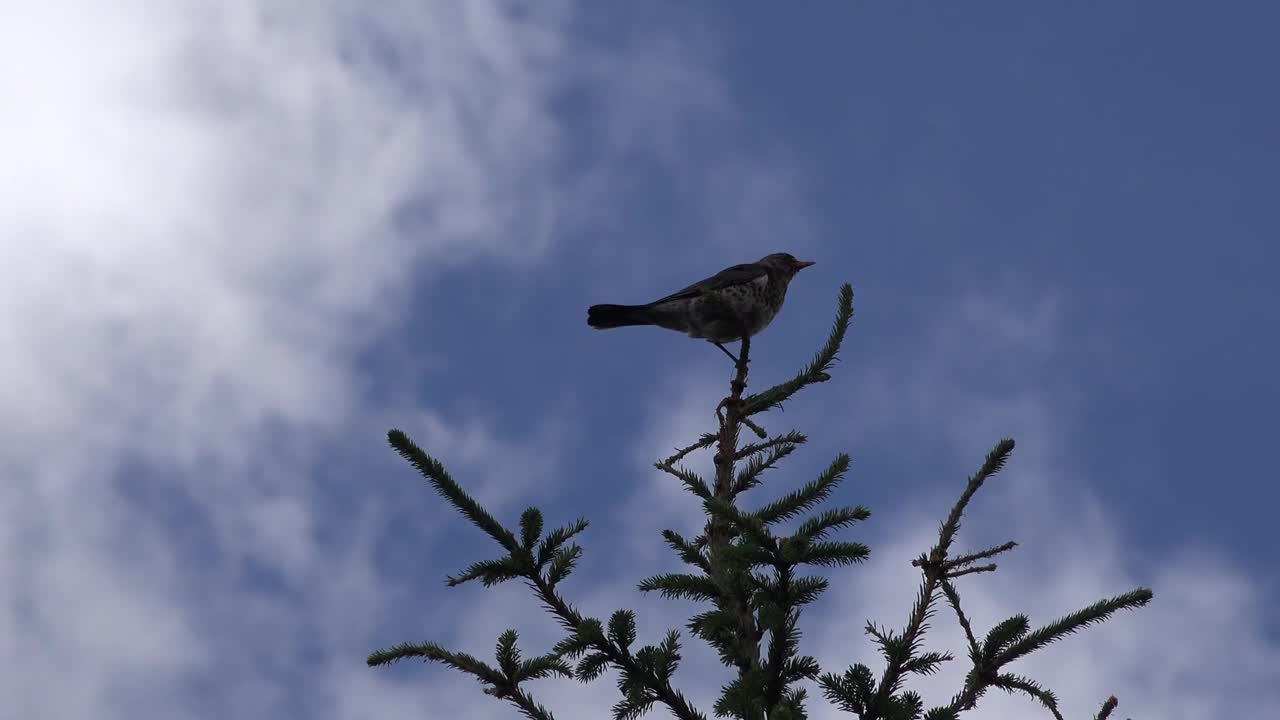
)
(802, 264)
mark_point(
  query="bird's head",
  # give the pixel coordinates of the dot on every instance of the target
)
(784, 263)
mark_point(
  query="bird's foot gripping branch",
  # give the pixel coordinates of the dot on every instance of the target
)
(749, 575)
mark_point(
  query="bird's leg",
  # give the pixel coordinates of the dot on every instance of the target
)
(725, 402)
(732, 357)
(738, 384)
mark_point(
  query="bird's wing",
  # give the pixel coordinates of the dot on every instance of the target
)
(729, 276)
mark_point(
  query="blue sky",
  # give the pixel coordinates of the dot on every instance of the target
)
(242, 240)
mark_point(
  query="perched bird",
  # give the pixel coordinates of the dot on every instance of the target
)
(738, 301)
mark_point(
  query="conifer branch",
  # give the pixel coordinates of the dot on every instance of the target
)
(557, 538)
(733, 599)
(791, 438)
(899, 650)
(806, 497)
(815, 371)
(691, 480)
(688, 552)
(902, 651)
(1078, 620)
(528, 707)
(830, 553)
(748, 576)
(706, 441)
(653, 681)
(982, 555)
(489, 572)
(646, 673)
(952, 574)
(682, 586)
(530, 527)
(994, 462)
(953, 599)
(1010, 639)
(1011, 683)
(782, 666)
(748, 604)
(817, 526)
(759, 431)
(749, 476)
(502, 682)
(748, 526)
(435, 473)
(805, 589)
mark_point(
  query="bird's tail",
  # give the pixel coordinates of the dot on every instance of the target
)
(601, 317)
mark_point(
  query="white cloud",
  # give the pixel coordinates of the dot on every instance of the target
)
(207, 211)
(207, 200)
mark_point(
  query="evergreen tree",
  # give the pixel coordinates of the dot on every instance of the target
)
(751, 578)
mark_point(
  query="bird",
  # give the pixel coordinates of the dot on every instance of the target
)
(738, 301)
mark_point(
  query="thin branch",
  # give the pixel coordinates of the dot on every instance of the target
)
(791, 438)
(570, 619)
(531, 709)
(953, 574)
(706, 441)
(1107, 708)
(953, 598)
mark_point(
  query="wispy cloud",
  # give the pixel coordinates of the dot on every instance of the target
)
(208, 211)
